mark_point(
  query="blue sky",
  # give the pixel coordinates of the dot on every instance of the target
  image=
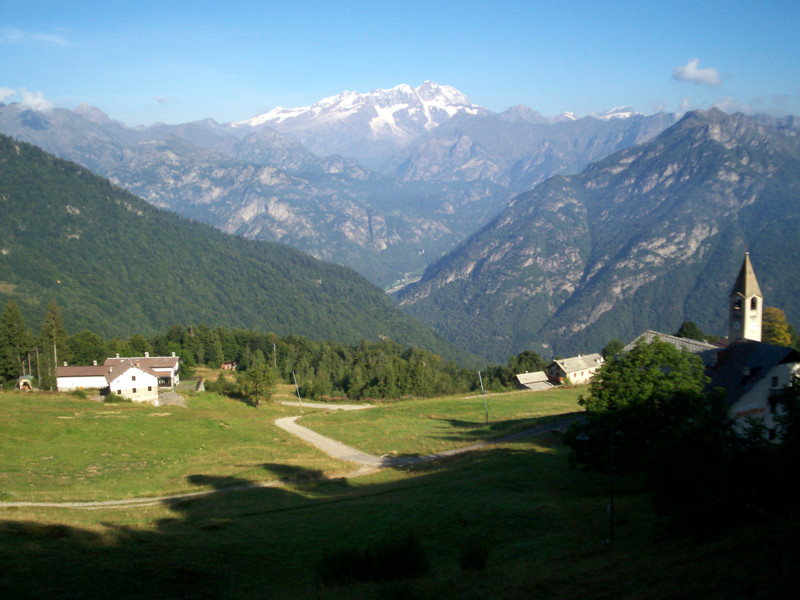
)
(174, 61)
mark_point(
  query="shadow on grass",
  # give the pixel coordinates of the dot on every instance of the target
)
(245, 541)
(467, 431)
(542, 521)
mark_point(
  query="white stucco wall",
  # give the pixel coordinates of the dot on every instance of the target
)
(144, 384)
(68, 384)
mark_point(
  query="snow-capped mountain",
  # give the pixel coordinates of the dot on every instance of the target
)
(620, 112)
(369, 127)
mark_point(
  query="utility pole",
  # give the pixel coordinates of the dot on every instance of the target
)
(485, 404)
(297, 389)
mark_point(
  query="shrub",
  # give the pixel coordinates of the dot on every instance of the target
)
(475, 555)
(113, 398)
(397, 557)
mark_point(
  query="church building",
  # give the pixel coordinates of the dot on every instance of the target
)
(752, 373)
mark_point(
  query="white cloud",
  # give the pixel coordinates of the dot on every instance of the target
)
(10, 35)
(6, 93)
(34, 100)
(691, 71)
(686, 106)
(730, 105)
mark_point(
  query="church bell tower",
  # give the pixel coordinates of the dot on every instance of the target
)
(746, 305)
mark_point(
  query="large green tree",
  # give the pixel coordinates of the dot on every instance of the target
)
(256, 383)
(636, 399)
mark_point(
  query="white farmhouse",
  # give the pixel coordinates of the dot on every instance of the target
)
(166, 368)
(577, 370)
(69, 379)
(133, 381)
(138, 379)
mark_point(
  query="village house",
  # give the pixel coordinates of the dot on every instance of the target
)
(136, 378)
(126, 378)
(536, 381)
(576, 371)
(165, 367)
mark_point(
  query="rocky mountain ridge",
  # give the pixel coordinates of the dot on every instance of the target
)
(646, 238)
(254, 181)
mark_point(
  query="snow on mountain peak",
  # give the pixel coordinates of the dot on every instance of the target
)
(620, 112)
(401, 111)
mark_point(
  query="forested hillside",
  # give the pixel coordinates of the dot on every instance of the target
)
(116, 265)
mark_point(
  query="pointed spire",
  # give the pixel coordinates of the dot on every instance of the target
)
(746, 283)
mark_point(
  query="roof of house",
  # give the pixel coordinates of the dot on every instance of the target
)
(152, 362)
(81, 371)
(536, 381)
(535, 377)
(116, 370)
(746, 283)
(744, 363)
(681, 343)
(580, 362)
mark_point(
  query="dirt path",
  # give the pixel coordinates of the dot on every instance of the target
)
(340, 451)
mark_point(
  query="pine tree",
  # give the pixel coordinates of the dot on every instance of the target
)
(14, 342)
(52, 341)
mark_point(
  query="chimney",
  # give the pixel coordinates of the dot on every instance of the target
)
(94, 363)
(173, 355)
(117, 354)
(147, 355)
(65, 363)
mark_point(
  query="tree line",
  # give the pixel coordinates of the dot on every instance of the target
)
(368, 369)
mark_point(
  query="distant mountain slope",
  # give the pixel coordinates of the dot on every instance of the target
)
(518, 149)
(649, 237)
(117, 265)
(259, 184)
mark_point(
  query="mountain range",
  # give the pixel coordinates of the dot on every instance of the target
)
(445, 167)
(550, 233)
(644, 239)
(117, 266)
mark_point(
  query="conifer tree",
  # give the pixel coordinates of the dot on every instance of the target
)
(14, 342)
(52, 344)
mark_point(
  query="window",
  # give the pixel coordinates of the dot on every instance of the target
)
(754, 303)
(133, 377)
(737, 304)
(774, 381)
(149, 388)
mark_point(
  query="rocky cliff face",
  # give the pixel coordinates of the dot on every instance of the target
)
(646, 238)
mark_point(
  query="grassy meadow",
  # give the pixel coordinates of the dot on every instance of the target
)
(436, 424)
(538, 525)
(63, 448)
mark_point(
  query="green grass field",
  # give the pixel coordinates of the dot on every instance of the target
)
(61, 448)
(541, 523)
(436, 424)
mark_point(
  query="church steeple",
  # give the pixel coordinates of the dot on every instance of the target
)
(746, 305)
